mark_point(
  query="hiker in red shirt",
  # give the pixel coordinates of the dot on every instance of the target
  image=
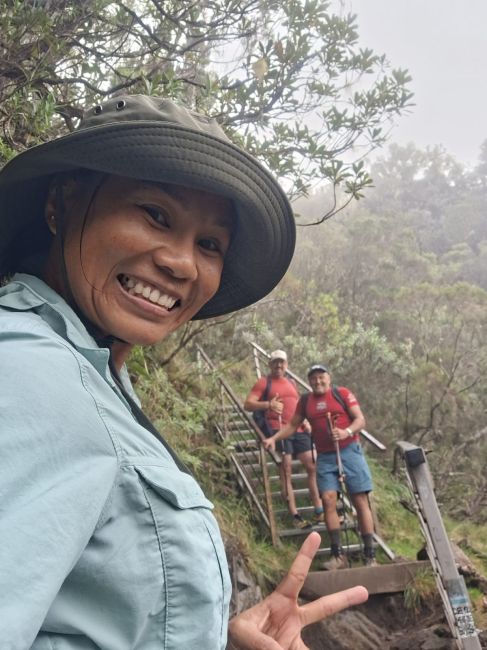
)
(336, 419)
(276, 397)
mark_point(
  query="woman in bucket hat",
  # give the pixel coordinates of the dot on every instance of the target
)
(116, 235)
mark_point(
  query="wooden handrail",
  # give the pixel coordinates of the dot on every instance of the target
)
(263, 476)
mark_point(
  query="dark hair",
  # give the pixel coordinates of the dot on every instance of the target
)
(29, 249)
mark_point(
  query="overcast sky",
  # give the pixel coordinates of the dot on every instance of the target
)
(443, 43)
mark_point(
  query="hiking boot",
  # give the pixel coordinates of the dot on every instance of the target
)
(336, 562)
(299, 522)
(370, 561)
(318, 518)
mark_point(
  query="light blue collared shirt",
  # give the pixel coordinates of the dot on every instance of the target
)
(104, 542)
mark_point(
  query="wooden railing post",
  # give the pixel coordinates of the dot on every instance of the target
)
(268, 496)
(451, 585)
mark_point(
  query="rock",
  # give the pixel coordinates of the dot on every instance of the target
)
(245, 590)
(432, 638)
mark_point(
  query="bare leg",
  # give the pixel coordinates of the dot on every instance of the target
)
(286, 483)
(329, 499)
(364, 514)
(306, 459)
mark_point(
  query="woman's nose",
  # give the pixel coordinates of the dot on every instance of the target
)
(178, 259)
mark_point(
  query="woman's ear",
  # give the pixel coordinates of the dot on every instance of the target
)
(51, 222)
(50, 209)
(61, 183)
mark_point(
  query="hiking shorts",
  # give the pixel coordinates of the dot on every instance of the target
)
(357, 473)
(295, 445)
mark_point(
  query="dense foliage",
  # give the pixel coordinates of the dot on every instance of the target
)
(288, 80)
(393, 298)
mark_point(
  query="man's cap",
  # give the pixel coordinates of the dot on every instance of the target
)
(317, 367)
(154, 139)
(278, 354)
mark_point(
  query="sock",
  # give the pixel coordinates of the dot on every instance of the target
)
(369, 550)
(335, 545)
(319, 510)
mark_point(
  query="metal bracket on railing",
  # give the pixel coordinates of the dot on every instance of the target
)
(451, 585)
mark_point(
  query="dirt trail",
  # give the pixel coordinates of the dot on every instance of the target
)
(383, 623)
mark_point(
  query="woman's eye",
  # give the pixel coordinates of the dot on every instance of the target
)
(209, 244)
(157, 215)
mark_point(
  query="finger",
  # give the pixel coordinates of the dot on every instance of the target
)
(247, 637)
(329, 605)
(291, 584)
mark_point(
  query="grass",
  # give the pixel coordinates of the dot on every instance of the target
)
(397, 525)
(421, 589)
(182, 407)
(472, 539)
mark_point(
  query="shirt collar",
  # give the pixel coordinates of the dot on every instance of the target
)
(30, 293)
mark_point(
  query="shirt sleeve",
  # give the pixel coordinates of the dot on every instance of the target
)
(259, 387)
(58, 469)
(348, 396)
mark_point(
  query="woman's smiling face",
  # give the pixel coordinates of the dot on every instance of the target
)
(145, 258)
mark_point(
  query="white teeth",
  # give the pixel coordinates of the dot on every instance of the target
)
(136, 287)
(166, 301)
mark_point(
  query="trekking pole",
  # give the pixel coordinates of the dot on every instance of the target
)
(341, 480)
(341, 471)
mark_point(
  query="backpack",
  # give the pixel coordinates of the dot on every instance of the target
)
(259, 416)
(336, 394)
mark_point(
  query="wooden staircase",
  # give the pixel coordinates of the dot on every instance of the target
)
(257, 472)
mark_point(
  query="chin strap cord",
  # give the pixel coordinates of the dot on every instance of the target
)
(140, 416)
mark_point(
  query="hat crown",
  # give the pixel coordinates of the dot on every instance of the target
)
(317, 367)
(278, 354)
(142, 108)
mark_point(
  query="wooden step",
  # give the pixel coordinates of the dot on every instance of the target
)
(300, 492)
(350, 527)
(274, 479)
(243, 445)
(238, 427)
(303, 510)
(295, 477)
(382, 579)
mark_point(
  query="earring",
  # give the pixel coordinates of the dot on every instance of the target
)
(51, 223)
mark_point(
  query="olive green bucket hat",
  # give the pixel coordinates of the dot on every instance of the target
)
(154, 139)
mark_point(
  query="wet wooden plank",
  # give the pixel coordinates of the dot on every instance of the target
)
(382, 579)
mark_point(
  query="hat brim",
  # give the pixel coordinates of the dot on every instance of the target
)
(264, 239)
